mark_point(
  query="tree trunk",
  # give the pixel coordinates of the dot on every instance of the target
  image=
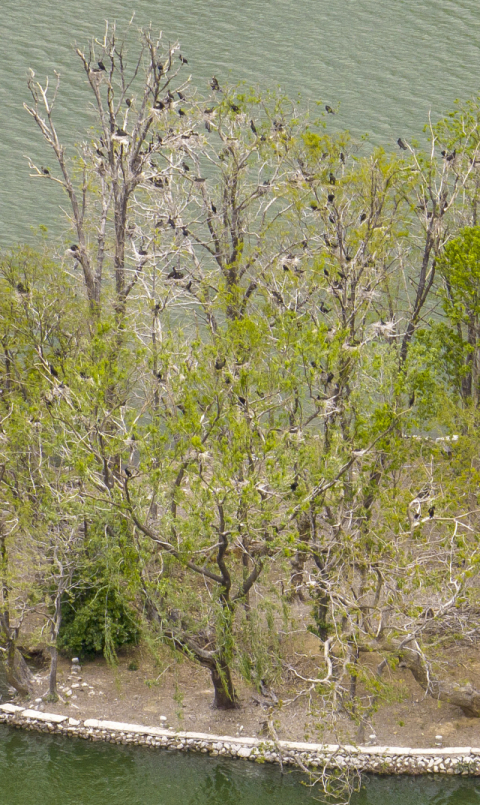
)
(54, 630)
(464, 696)
(299, 561)
(52, 678)
(18, 673)
(225, 696)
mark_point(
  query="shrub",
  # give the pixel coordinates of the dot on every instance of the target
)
(97, 620)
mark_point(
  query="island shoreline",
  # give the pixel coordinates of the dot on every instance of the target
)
(460, 761)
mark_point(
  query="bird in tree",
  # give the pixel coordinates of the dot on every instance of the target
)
(329, 109)
(175, 275)
(253, 127)
(214, 84)
(401, 144)
(182, 59)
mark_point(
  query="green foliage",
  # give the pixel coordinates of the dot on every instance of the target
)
(96, 620)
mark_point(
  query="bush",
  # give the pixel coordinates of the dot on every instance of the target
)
(97, 621)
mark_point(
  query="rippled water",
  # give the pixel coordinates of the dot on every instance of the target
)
(383, 63)
(48, 770)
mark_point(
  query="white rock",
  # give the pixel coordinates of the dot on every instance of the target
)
(10, 708)
(53, 717)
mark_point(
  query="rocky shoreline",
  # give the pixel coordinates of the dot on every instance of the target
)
(463, 761)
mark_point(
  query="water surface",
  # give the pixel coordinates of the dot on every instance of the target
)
(49, 770)
(383, 64)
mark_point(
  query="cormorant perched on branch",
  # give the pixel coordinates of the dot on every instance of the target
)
(214, 84)
(329, 109)
(74, 250)
(175, 275)
(449, 157)
(401, 144)
(253, 127)
(182, 59)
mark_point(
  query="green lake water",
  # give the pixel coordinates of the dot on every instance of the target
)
(383, 64)
(49, 770)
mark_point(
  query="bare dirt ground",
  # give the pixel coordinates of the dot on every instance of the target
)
(174, 692)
